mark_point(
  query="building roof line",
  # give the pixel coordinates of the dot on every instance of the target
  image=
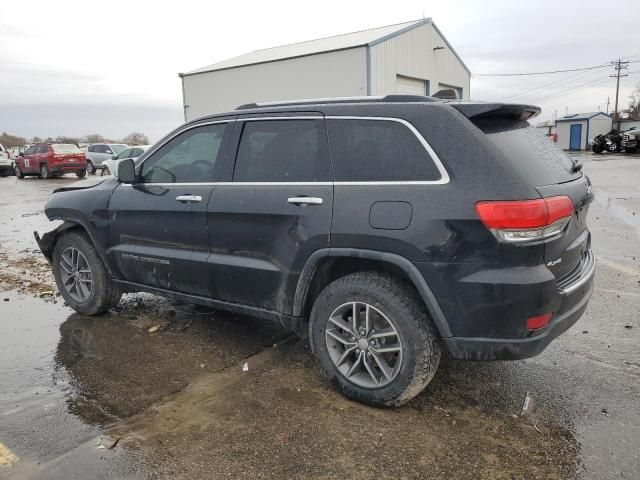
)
(369, 43)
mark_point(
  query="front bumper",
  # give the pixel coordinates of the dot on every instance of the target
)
(575, 292)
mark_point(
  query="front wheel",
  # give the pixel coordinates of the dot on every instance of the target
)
(44, 171)
(374, 338)
(91, 169)
(105, 171)
(5, 173)
(82, 279)
(596, 148)
(19, 173)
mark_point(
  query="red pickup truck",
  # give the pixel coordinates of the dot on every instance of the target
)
(47, 160)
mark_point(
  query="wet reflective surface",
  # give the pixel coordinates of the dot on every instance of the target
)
(180, 404)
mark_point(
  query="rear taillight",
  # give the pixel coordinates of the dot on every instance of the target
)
(526, 220)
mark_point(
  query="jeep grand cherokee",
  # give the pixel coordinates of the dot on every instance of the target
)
(387, 229)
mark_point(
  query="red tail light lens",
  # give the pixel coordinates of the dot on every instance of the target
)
(526, 220)
(541, 321)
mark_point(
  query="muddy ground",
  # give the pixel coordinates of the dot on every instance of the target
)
(101, 397)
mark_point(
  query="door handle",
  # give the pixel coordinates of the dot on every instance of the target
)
(189, 198)
(305, 201)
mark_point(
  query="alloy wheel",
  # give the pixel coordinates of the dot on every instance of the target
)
(363, 344)
(75, 274)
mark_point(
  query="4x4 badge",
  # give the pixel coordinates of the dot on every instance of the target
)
(555, 262)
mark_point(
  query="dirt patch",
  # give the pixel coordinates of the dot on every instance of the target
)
(281, 419)
(29, 273)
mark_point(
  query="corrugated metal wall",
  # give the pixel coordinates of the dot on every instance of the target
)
(411, 54)
(333, 74)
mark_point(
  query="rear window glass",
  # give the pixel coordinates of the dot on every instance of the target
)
(537, 155)
(378, 150)
(65, 148)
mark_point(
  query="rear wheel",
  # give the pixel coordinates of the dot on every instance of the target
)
(105, 171)
(374, 338)
(82, 278)
(91, 169)
(44, 171)
(596, 149)
(19, 173)
(81, 173)
(5, 172)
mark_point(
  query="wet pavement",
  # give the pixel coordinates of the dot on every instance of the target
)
(101, 397)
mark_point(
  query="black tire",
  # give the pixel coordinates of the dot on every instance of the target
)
(19, 173)
(105, 171)
(421, 350)
(104, 293)
(44, 171)
(596, 149)
(5, 173)
(81, 174)
(91, 168)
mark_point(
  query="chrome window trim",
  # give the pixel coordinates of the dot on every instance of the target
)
(443, 180)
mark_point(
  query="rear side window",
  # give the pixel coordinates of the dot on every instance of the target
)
(538, 157)
(280, 151)
(378, 150)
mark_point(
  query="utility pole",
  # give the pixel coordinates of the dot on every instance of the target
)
(618, 66)
(607, 105)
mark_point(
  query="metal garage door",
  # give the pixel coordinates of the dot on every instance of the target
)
(409, 86)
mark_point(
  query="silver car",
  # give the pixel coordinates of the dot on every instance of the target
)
(99, 152)
(110, 167)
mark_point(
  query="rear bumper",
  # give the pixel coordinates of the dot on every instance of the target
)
(575, 296)
(68, 167)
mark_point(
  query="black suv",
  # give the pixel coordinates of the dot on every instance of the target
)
(387, 229)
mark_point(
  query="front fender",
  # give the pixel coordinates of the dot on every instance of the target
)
(48, 241)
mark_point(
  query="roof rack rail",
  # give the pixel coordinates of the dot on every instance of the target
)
(363, 99)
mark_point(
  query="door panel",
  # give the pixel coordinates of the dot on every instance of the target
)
(159, 230)
(260, 239)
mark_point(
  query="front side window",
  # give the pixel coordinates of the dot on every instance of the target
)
(189, 157)
(31, 150)
(378, 150)
(280, 151)
(125, 154)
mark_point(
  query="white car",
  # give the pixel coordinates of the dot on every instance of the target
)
(110, 167)
(6, 168)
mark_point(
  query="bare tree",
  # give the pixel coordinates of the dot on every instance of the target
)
(12, 140)
(94, 138)
(136, 138)
(632, 112)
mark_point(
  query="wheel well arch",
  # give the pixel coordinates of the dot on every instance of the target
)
(47, 242)
(325, 266)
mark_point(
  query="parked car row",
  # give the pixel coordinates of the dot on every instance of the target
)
(47, 160)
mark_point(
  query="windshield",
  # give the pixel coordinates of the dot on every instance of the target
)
(117, 147)
(65, 148)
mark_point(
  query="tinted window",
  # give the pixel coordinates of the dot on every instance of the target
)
(42, 149)
(280, 151)
(91, 148)
(189, 157)
(540, 159)
(378, 150)
(31, 150)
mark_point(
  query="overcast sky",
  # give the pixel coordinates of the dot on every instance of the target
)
(79, 67)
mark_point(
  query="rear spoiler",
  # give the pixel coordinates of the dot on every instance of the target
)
(485, 110)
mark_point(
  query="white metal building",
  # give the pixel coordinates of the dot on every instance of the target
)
(407, 58)
(575, 130)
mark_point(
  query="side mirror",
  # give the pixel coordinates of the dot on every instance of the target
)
(113, 157)
(126, 172)
(21, 154)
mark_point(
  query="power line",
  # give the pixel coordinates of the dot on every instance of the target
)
(539, 73)
(555, 82)
(568, 91)
(546, 73)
